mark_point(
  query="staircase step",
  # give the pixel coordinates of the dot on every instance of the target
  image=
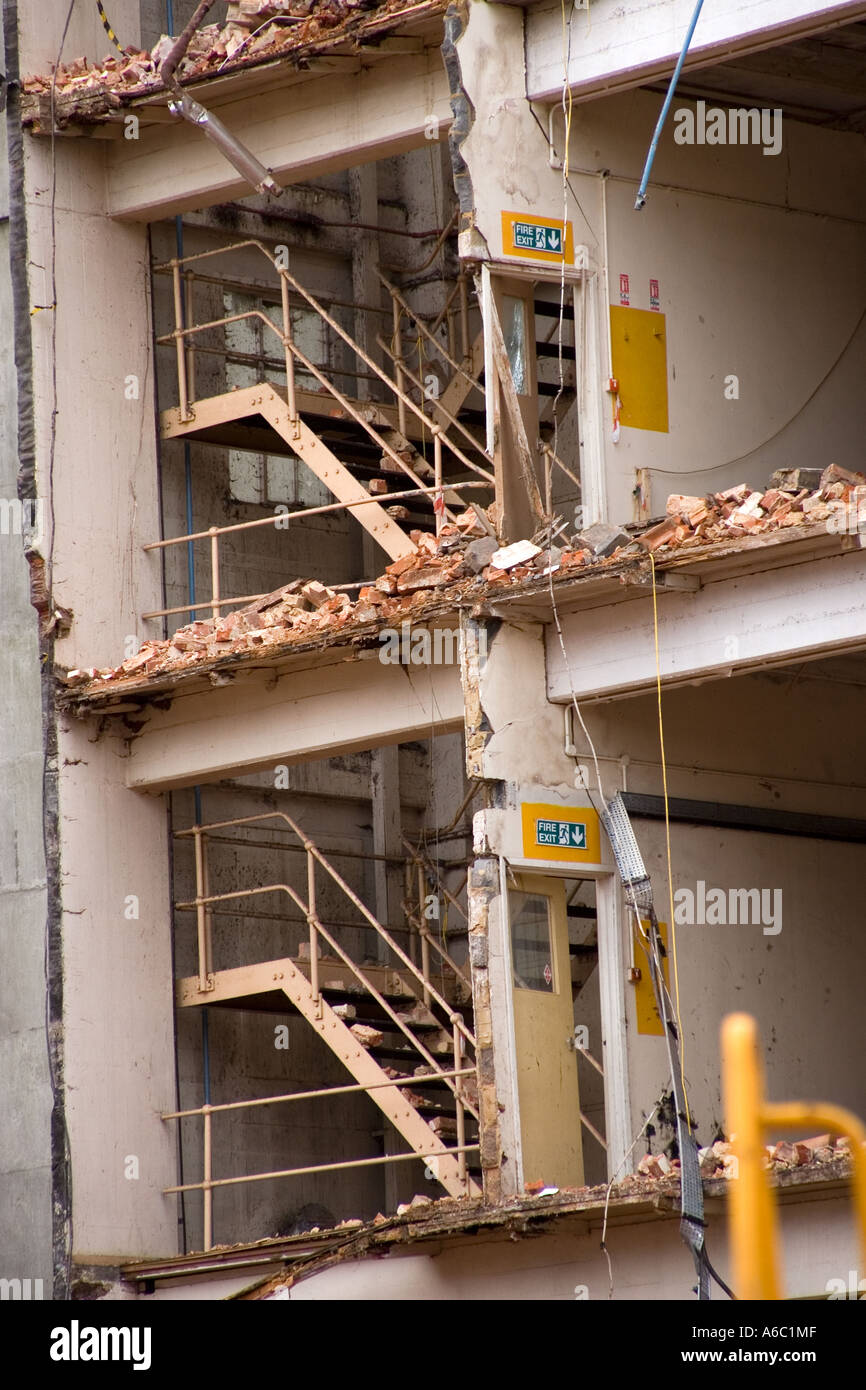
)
(550, 388)
(552, 350)
(549, 309)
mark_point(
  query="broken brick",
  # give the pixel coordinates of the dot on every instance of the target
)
(694, 510)
(316, 593)
(659, 535)
(836, 474)
(367, 1036)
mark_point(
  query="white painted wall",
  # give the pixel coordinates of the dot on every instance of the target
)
(118, 1031)
(758, 261)
(729, 625)
(104, 471)
(648, 1262)
(762, 741)
(759, 741)
(615, 45)
(96, 472)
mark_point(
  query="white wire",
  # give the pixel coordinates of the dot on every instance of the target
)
(610, 1185)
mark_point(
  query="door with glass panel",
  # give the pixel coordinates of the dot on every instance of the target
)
(547, 1082)
(514, 304)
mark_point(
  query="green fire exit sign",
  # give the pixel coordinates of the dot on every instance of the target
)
(567, 834)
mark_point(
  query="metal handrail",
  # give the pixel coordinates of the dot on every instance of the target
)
(356, 1087)
(431, 337)
(183, 336)
(285, 337)
(203, 903)
(199, 832)
(452, 421)
(281, 520)
(207, 1111)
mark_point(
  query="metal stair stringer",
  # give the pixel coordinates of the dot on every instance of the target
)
(367, 1072)
(336, 477)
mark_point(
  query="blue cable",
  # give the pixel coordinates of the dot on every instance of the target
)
(640, 200)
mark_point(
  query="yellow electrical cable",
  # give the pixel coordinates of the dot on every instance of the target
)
(673, 934)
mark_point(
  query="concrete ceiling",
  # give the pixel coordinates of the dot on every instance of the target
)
(821, 80)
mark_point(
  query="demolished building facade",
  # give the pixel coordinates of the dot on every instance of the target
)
(362, 539)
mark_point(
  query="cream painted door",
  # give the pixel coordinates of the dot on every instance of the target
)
(543, 1024)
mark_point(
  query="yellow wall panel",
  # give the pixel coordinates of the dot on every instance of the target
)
(640, 365)
(648, 1017)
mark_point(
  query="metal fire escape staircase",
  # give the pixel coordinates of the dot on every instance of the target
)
(405, 1041)
(429, 447)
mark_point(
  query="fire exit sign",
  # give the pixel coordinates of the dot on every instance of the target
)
(564, 833)
(537, 238)
(560, 833)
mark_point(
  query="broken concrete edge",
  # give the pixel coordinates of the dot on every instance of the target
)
(658, 1199)
(92, 94)
(90, 690)
(430, 1219)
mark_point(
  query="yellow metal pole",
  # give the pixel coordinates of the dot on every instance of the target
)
(752, 1222)
(833, 1118)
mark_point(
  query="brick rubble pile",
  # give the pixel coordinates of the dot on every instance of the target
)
(465, 559)
(719, 1161)
(254, 31)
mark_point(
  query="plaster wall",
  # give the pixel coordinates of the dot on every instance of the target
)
(25, 1089)
(648, 1262)
(758, 259)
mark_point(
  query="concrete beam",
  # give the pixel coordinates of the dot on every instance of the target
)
(300, 131)
(613, 48)
(265, 720)
(729, 627)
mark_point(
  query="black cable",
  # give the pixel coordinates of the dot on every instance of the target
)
(718, 1278)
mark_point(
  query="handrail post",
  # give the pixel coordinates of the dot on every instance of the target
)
(461, 1114)
(200, 912)
(398, 363)
(180, 342)
(287, 344)
(189, 318)
(207, 1190)
(208, 912)
(314, 936)
(425, 945)
(215, 570)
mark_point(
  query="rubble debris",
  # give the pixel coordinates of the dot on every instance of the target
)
(464, 560)
(252, 33)
(419, 1200)
(719, 1160)
(601, 539)
(516, 554)
(367, 1036)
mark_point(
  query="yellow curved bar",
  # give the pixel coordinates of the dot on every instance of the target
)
(753, 1221)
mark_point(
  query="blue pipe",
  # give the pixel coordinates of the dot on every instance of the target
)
(640, 200)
